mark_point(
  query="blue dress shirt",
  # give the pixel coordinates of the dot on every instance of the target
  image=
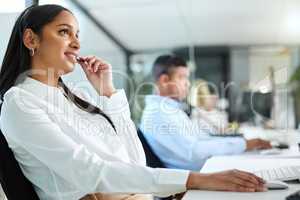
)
(179, 142)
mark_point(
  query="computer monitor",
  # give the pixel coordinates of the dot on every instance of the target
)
(255, 104)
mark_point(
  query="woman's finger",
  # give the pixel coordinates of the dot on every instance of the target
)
(230, 186)
(236, 178)
(100, 66)
(248, 180)
(88, 60)
(91, 61)
(95, 65)
(83, 61)
(251, 177)
(239, 188)
(84, 65)
(103, 66)
(246, 177)
(241, 182)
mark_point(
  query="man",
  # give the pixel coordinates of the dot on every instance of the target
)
(177, 141)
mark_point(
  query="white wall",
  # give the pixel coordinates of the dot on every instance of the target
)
(250, 65)
(7, 21)
(93, 42)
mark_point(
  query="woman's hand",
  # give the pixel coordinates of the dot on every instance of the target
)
(232, 180)
(99, 73)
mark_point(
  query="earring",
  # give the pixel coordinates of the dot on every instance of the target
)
(31, 52)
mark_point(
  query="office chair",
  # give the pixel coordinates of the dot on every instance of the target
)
(151, 158)
(15, 185)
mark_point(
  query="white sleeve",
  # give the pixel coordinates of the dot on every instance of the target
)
(35, 132)
(116, 105)
(117, 108)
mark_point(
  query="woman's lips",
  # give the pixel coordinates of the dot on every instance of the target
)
(71, 57)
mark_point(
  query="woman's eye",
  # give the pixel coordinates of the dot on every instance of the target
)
(64, 31)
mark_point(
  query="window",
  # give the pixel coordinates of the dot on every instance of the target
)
(12, 6)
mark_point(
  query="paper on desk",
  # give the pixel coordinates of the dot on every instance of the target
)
(292, 152)
(290, 136)
(251, 164)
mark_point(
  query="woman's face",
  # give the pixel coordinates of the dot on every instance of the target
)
(58, 45)
(210, 102)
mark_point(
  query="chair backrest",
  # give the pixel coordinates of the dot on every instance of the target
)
(15, 185)
(151, 158)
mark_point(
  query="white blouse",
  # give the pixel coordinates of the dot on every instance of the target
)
(67, 153)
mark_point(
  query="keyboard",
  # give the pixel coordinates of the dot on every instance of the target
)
(226, 134)
(287, 173)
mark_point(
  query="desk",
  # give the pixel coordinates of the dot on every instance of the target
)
(248, 164)
(289, 136)
(280, 135)
(270, 195)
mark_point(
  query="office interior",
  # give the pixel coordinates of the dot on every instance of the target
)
(249, 51)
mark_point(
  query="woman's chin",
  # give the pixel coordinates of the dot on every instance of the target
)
(67, 69)
(70, 67)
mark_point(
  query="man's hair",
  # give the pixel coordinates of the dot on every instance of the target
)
(164, 65)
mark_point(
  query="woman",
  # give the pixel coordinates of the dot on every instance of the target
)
(205, 113)
(67, 147)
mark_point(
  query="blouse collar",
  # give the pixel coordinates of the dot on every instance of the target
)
(39, 88)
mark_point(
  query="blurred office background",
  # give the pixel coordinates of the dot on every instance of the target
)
(248, 49)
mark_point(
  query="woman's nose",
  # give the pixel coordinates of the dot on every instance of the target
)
(75, 43)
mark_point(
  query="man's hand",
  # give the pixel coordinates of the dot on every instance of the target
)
(232, 180)
(257, 144)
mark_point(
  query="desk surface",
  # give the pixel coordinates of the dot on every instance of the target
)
(270, 195)
(290, 136)
(248, 164)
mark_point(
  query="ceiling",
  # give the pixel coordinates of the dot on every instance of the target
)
(157, 24)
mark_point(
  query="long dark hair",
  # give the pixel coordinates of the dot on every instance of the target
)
(17, 57)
